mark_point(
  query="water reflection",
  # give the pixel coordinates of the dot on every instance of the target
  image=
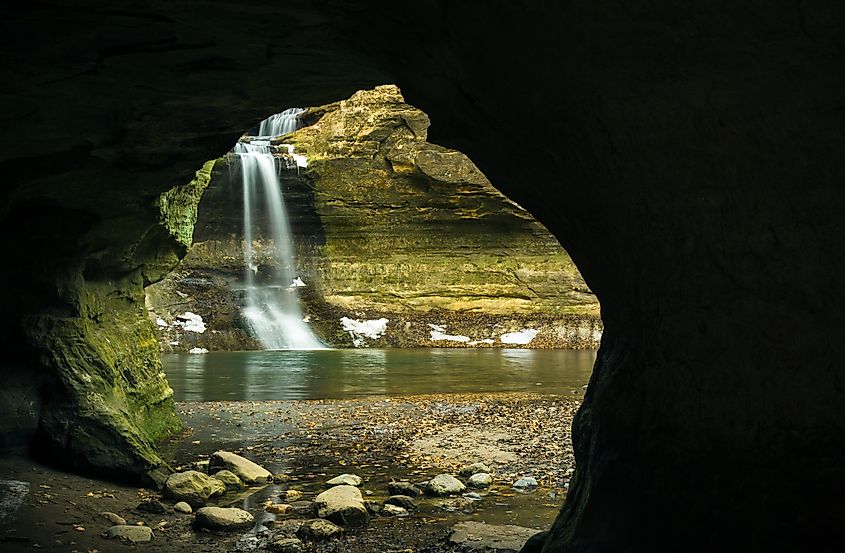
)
(318, 374)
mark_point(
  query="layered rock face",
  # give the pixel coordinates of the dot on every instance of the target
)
(687, 156)
(386, 226)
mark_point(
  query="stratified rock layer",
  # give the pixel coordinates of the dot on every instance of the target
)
(386, 226)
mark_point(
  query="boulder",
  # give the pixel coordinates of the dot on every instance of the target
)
(480, 480)
(248, 471)
(318, 529)
(304, 507)
(223, 519)
(342, 504)
(183, 507)
(130, 533)
(444, 484)
(193, 487)
(346, 479)
(230, 480)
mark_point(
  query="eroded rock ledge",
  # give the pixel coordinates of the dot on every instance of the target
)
(387, 227)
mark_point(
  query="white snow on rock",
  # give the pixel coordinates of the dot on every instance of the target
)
(197, 350)
(484, 341)
(299, 159)
(297, 283)
(364, 329)
(191, 322)
(521, 337)
(161, 322)
(438, 333)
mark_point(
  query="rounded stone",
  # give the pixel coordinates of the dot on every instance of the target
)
(114, 518)
(343, 505)
(474, 468)
(444, 484)
(183, 507)
(526, 483)
(318, 529)
(401, 501)
(480, 480)
(130, 533)
(393, 511)
(346, 479)
(230, 480)
(193, 487)
(404, 488)
(223, 519)
(248, 471)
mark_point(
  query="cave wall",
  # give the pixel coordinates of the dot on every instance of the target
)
(688, 156)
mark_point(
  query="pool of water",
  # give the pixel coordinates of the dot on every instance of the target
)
(348, 373)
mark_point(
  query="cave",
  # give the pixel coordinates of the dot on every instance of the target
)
(688, 157)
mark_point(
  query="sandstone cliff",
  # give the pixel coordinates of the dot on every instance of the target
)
(386, 226)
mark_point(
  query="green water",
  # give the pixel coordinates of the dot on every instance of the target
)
(347, 373)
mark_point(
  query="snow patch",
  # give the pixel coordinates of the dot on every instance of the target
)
(368, 328)
(299, 159)
(484, 341)
(521, 337)
(438, 332)
(297, 283)
(191, 322)
(197, 350)
(161, 322)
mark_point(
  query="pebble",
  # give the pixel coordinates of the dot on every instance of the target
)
(129, 533)
(472, 496)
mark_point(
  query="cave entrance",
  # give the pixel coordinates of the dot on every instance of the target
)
(445, 308)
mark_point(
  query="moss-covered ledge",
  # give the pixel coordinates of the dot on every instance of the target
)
(105, 400)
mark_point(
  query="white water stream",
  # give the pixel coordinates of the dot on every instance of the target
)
(271, 308)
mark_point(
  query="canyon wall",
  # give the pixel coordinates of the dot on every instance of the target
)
(386, 227)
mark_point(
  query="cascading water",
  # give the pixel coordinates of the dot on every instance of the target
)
(272, 309)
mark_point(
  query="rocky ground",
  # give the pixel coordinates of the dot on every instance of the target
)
(303, 445)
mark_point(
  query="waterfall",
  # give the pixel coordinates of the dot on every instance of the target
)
(272, 309)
